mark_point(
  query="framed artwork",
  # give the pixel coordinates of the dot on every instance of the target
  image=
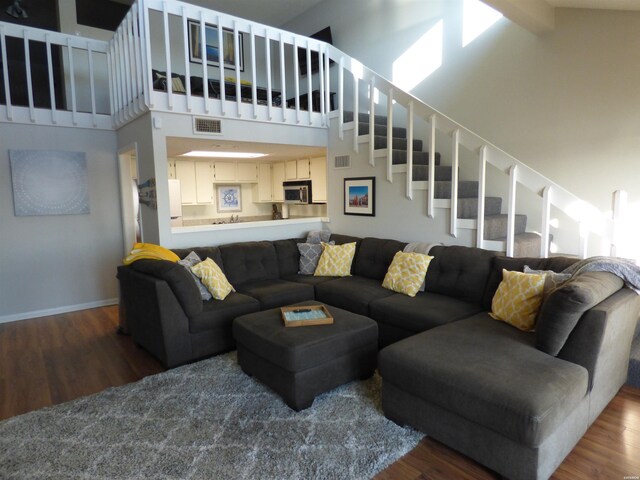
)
(48, 182)
(212, 48)
(360, 196)
(229, 198)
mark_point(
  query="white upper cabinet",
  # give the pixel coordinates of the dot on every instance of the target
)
(263, 190)
(291, 170)
(302, 167)
(204, 183)
(277, 177)
(186, 173)
(225, 172)
(318, 173)
(247, 172)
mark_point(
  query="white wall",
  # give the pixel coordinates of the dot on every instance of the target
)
(51, 264)
(564, 103)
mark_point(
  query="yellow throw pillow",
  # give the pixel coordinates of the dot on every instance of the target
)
(518, 299)
(335, 260)
(406, 272)
(213, 278)
(150, 250)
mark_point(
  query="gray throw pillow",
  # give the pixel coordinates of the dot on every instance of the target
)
(318, 236)
(563, 308)
(309, 256)
(189, 261)
(552, 280)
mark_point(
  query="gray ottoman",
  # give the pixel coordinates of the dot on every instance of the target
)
(300, 363)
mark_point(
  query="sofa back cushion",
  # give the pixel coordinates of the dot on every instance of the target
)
(374, 256)
(563, 308)
(556, 264)
(246, 262)
(460, 272)
(288, 256)
(340, 239)
(178, 279)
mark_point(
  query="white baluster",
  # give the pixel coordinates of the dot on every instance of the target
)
(482, 180)
(546, 222)
(254, 88)
(52, 92)
(390, 135)
(167, 54)
(356, 110)
(92, 86)
(409, 175)
(267, 54)
(236, 51)
(185, 49)
(432, 167)
(372, 111)
(511, 210)
(72, 75)
(455, 162)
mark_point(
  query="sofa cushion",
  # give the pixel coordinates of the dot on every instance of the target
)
(335, 260)
(488, 373)
(342, 239)
(214, 279)
(220, 313)
(351, 293)
(459, 272)
(248, 262)
(277, 293)
(563, 308)
(178, 279)
(557, 264)
(288, 256)
(406, 273)
(518, 299)
(374, 257)
(422, 312)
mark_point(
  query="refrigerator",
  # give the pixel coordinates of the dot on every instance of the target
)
(175, 203)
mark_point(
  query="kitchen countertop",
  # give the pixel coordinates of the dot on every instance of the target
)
(203, 227)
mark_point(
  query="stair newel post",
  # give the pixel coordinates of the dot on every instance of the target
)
(410, 151)
(455, 161)
(341, 99)
(618, 213)
(482, 179)
(390, 135)
(356, 116)
(511, 210)
(282, 79)
(546, 219)
(372, 114)
(432, 166)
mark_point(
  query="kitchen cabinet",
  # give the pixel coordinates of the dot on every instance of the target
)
(225, 172)
(186, 173)
(318, 174)
(291, 170)
(302, 169)
(247, 172)
(277, 177)
(204, 183)
(263, 190)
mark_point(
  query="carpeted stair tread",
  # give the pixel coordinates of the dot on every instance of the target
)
(466, 189)
(399, 157)
(364, 118)
(380, 142)
(398, 132)
(442, 173)
(468, 207)
(495, 226)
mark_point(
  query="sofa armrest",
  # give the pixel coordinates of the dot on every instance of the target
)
(155, 318)
(601, 342)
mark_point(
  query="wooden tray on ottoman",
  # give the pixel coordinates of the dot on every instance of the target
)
(305, 315)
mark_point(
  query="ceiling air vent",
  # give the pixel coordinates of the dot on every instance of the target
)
(207, 125)
(342, 161)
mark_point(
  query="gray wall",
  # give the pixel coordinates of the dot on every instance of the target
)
(564, 103)
(55, 263)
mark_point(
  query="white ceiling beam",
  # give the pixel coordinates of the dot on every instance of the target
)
(537, 16)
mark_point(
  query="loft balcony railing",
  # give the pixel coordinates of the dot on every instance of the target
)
(177, 57)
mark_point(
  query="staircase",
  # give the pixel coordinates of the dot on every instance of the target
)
(526, 244)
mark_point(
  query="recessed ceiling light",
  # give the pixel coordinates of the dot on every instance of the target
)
(209, 154)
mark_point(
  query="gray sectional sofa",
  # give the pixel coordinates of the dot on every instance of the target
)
(515, 401)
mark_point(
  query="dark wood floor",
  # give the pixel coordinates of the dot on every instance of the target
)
(50, 360)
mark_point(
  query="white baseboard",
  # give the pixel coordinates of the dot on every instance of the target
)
(58, 310)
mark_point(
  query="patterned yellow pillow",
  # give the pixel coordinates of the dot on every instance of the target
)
(335, 260)
(212, 277)
(406, 272)
(518, 299)
(151, 251)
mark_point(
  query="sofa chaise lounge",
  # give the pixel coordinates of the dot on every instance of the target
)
(478, 385)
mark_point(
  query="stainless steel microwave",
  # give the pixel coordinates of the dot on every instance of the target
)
(297, 192)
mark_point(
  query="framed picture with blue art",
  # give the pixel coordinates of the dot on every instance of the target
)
(229, 198)
(212, 48)
(360, 196)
